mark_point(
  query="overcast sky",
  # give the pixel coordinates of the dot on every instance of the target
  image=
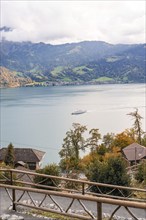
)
(58, 22)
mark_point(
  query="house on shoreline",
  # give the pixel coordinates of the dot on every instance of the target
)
(25, 156)
(134, 153)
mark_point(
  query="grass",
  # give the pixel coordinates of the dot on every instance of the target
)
(35, 70)
(18, 74)
(139, 195)
(81, 70)
(67, 79)
(104, 79)
(113, 59)
(57, 70)
(51, 215)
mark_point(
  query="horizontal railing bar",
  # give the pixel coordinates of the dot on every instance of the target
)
(116, 197)
(77, 191)
(54, 211)
(76, 181)
(36, 185)
(47, 187)
(125, 203)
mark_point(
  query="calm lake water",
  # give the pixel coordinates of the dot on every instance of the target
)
(40, 117)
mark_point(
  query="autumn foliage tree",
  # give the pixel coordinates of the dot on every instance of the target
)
(104, 161)
(122, 140)
(73, 143)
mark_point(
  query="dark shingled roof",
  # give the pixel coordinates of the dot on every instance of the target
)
(24, 154)
(134, 152)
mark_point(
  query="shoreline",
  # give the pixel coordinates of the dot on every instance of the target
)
(52, 84)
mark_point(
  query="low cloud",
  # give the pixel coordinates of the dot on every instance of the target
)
(59, 22)
(5, 29)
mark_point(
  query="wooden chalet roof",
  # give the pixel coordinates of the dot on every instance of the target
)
(24, 154)
(134, 151)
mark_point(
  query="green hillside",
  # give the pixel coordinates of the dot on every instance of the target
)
(84, 62)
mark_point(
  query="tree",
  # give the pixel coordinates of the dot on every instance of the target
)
(101, 150)
(108, 140)
(93, 140)
(9, 157)
(131, 134)
(137, 124)
(73, 143)
(115, 152)
(111, 171)
(144, 140)
(122, 140)
(116, 172)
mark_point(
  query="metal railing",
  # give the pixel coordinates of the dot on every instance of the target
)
(50, 197)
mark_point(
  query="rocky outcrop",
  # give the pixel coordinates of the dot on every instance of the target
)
(12, 78)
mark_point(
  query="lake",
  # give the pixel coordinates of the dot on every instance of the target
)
(39, 117)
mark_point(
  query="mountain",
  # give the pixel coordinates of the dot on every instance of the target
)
(84, 62)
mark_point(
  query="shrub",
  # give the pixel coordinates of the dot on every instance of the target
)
(5, 176)
(112, 172)
(140, 176)
(51, 169)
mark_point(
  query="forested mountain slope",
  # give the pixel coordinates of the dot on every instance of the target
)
(84, 62)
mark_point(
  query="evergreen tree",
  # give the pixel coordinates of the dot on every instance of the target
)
(111, 171)
(9, 157)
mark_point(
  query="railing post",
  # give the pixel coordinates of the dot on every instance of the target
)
(99, 211)
(83, 189)
(13, 192)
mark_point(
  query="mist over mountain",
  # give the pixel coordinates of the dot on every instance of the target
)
(72, 63)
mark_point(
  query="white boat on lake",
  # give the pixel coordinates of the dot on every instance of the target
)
(77, 112)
